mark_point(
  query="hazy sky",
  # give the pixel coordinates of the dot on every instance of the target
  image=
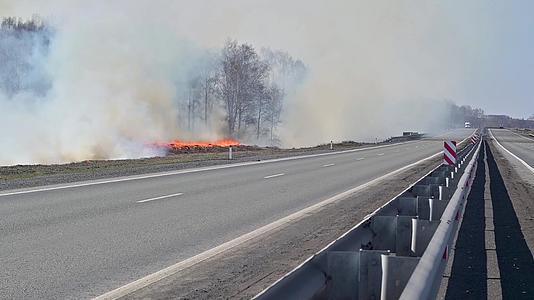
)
(489, 43)
(501, 80)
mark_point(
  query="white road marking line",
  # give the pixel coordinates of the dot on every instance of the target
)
(160, 197)
(521, 136)
(179, 266)
(380, 154)
(328, 165)
(508, 151)
(361, 158)
(187, 171)
(275, 175)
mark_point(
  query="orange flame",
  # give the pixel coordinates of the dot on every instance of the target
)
(216, 143)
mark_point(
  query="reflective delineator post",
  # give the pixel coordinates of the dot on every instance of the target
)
(449, 153)
(331, 145)
(230, 153)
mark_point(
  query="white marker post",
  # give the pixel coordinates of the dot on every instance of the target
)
(331, 145)
(230, 153)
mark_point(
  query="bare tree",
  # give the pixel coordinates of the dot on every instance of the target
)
(240, 82)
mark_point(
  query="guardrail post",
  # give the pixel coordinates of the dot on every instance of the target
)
(396, 272)
(384, 231)
(404, 235)
(423, 208)
(370, 274)
(422, 231)
(343, 269)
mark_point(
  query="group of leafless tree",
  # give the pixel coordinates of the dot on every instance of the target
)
(250, 88)
(243, 88)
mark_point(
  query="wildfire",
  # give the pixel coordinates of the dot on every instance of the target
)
(207, 144)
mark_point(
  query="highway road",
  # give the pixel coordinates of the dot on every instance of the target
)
(522, 147)
(81, 240)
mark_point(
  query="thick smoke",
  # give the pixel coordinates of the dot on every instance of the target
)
(102, 103)
(116, 69)
(114, 84)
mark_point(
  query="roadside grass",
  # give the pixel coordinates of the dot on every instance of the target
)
(89, 166)
(155, 164)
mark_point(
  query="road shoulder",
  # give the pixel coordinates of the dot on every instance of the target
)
(520, 185)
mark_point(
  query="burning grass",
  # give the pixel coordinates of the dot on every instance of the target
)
(183, 146)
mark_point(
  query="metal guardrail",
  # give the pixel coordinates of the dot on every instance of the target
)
(425, 280)
(377, 257)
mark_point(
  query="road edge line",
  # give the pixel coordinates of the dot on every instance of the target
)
(509, 152)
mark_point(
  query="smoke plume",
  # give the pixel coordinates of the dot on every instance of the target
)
(116, 69)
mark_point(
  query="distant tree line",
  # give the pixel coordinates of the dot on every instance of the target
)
(476, 116)
(19, 25)
(464, 113)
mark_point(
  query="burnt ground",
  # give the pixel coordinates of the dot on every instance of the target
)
(245, 270)
(25, 176)
(505, 231)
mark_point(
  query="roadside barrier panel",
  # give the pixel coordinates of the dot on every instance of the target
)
(399, 251)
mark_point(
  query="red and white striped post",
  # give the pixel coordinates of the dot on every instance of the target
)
(474, 139)
(449, 153)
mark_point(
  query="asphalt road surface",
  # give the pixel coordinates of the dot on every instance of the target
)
(81, 240)
(520, 145)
